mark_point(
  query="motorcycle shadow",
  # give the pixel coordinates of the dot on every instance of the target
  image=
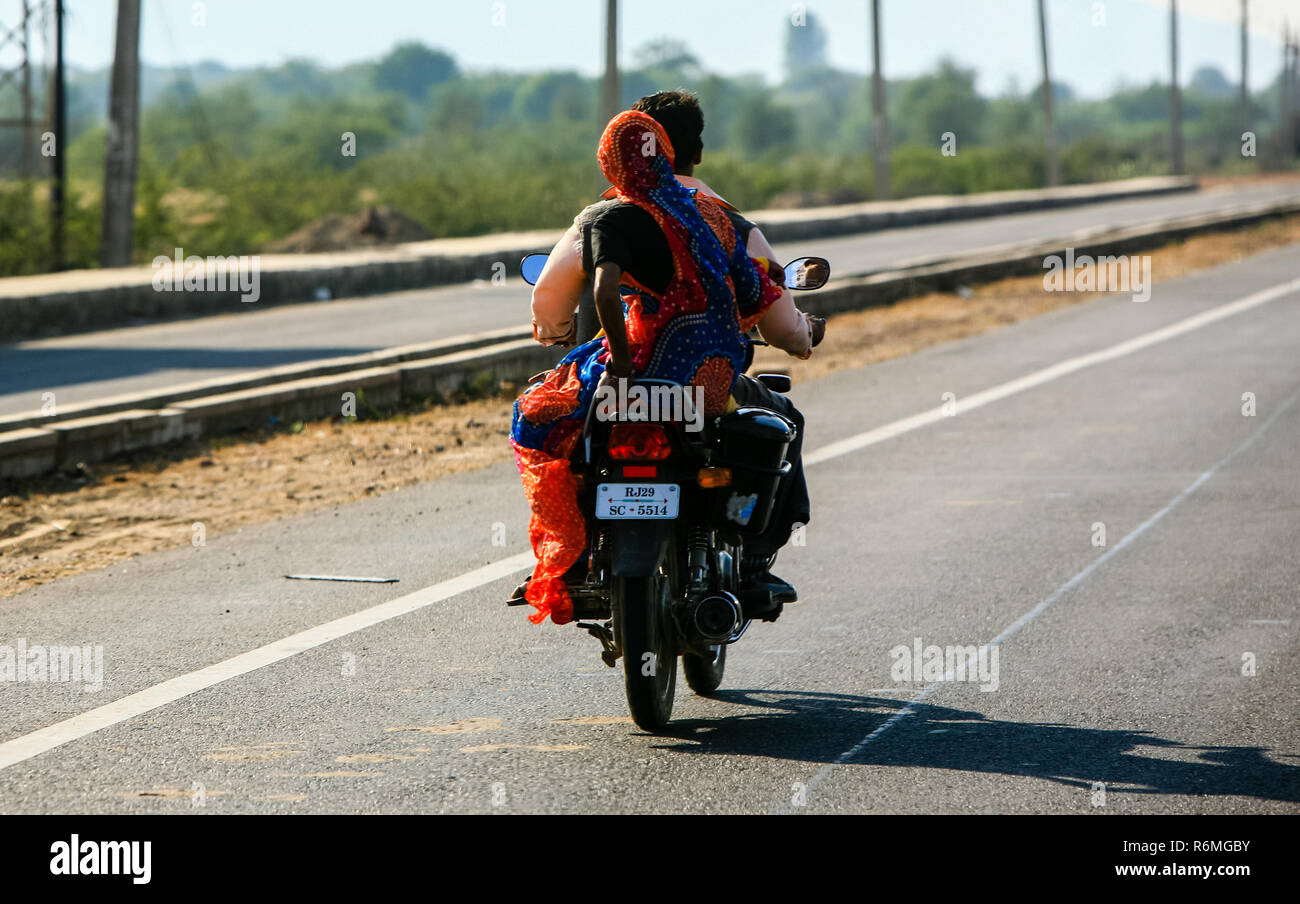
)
(818, 728)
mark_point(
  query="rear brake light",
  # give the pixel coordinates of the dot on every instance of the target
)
(638, 442)
(640, 470)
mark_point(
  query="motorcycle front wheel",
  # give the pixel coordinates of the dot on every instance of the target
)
(644, 631)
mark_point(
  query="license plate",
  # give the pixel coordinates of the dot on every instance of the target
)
(618, 501)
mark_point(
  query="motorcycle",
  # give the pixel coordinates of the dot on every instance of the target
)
(668, 511)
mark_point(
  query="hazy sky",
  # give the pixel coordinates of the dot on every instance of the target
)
(997, 37)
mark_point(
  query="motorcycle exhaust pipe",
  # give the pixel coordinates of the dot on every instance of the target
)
(717, 617)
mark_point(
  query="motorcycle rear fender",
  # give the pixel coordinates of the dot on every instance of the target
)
(639, 547)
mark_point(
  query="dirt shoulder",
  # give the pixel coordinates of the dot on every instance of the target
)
(71, 523)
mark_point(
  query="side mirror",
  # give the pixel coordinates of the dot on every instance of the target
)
(807, 273)
(775, 382)
(530, 268)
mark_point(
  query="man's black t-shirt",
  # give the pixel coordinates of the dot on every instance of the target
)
(627, 235)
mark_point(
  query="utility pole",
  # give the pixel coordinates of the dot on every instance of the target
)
(1284, 140)
(21, 77)
(118, 237)
(610, 92)
(1294, 82)
(1243, 101)
(1049, 121)
(879, 114)
(60, 118)
(1291, 81)
(1175, 96)
(26, 131)
(1291, 85)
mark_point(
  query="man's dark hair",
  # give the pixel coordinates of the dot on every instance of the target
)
(680, 114)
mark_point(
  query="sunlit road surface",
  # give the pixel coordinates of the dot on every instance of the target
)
(1102, 507)
(91, 366)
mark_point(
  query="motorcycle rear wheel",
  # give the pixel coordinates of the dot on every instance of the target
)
(705, 675)
(644, 630)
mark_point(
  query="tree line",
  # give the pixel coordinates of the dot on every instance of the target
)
(232, 160)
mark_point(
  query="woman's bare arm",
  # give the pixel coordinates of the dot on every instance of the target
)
(558, 291)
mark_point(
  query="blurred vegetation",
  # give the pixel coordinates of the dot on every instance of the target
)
(233, 160)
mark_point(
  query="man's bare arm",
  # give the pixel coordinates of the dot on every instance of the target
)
(784, 325)
(609, 308)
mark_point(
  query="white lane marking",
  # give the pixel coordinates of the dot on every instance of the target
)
(1011, 629)
(43, 739)
(1053, 372)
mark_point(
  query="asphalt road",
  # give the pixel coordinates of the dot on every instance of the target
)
(1119, 664)
(90, 366)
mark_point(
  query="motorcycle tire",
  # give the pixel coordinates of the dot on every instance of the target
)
(703, 676)
(644, 631)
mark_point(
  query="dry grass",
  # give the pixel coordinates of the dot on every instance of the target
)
(67, 524)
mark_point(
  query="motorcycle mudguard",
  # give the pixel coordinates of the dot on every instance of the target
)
(639, 547)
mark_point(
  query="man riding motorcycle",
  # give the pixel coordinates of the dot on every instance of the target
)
(558, 314)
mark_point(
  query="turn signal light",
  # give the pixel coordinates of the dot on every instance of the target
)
(638, 442)
(713, 477)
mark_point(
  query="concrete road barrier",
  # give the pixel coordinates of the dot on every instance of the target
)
(871, 216)
(28, 452)
(265, 377)
(65, 442)
(103, 436)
